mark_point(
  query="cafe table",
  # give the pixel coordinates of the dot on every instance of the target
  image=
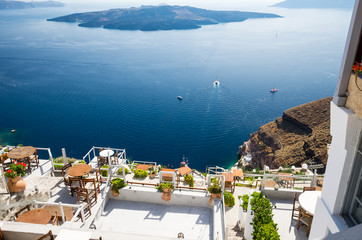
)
(107, 153)
(68, 212)
(308, 200)
(37, 216)
(79, 170)
(22, 153)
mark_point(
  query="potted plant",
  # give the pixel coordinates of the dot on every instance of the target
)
(104, 170)
(189, 179)
(15, 181)
(215, 189)
(117, 184)
(153, 173)
(166, 188)
(139, 173)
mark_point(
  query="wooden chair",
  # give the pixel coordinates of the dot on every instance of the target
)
(92, 186)
(55, 219)
(34, 159)
(1, 235)
(114, 159)
(73, 184)
(47, 235)
(296, 206)
(82, 195)
(21, 210)
(304, 220)
(65, 173)
(309, 189)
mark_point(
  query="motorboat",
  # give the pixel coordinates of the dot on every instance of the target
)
(216, 82)
(274, 90)
(179, 98)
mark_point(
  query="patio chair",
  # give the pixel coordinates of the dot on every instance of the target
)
(97, 176)
(304, 220)
(21, 210)
(114, 159)
(92, 186)
(48, 235)
(65, 173)
(34, 159)
(73, 184)
(55, 219)
(309, 189)
(296, 206)
(83, 197)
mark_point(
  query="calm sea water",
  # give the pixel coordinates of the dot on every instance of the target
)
(66, 86)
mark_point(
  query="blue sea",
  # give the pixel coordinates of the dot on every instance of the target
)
(66, 86)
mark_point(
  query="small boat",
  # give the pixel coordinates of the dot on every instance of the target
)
(179, 98)
(216, 82)
(274, 90)
(12, 131)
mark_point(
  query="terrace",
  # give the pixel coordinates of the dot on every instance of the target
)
(140, 211)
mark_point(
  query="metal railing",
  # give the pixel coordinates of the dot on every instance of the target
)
(92, 154)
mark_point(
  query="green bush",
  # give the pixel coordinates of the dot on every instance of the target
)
(245, 202)
(215, 187)
(165, 185)
(104, 172)
(263, 224)
(60, 160)
(58, 166)
(140, 173)
(190, 180)
(117, 184)
(229, 199)
(120, 171)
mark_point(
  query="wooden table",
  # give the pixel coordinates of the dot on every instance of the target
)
(37, 216)
(238, 173)
(229, 178)
(143, 166)
(79, 170)
(184, 170)
(167, 176)
(68, 212)
(308, 200)
(20, 153)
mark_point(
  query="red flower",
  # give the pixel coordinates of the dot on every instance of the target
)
(24, 164)
(357, 67)
(14, 161)
(9, 171)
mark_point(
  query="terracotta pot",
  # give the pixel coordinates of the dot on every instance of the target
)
(152, 175)
(216, 195)
(114, 193)
(166, 190)
(16, 184)
(166, 196)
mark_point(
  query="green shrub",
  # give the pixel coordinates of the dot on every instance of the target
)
(215, 187)
(190, 180)
(117, 184)
(165, 185)
(263, 224)
(58, 166)
(81, 162)
(120, 171)
(245, 202)
(104, 172)
(60, 160)
(139, 173)
(229, 199)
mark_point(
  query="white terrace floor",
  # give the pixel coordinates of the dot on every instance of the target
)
(156, 219)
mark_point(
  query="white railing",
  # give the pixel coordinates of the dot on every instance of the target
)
(143, 162)
(216, 170)
(223, 218)
(80, 209)
(92, 152)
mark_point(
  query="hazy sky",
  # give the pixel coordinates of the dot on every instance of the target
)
(216, 4)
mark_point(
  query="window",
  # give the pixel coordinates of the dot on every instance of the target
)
(353, 203)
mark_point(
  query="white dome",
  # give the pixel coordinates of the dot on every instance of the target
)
(293, 167)
(304, 166)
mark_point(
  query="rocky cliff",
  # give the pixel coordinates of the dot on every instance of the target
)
(300, 136)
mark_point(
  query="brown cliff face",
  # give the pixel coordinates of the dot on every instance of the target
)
(300, 136)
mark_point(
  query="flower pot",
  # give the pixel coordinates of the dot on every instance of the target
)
(166, 190)
(166, 196)
(216, 195)
(152, 176)
(16, 184)
(114, 193)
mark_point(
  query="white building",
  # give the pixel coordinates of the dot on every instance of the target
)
(340, 206)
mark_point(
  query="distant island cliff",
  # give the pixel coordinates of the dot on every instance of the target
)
(21, 5)
(300, 136)
(153, 18)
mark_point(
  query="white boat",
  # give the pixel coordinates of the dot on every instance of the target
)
(179, 98)
(216, 82)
